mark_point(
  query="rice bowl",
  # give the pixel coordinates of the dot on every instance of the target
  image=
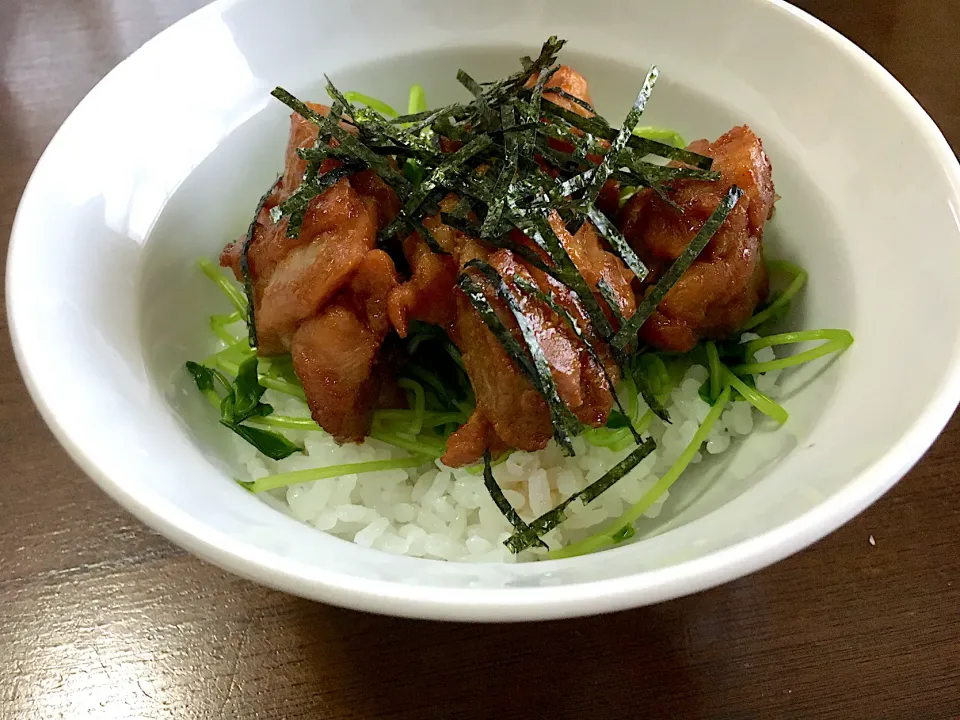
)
(121, 226)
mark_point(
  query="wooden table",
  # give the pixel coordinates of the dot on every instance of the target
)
(102, 618)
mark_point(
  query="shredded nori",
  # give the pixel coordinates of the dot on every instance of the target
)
(245, 264)
(560, 92)
(451, 166)
(535, 364)
(295, 207)
(520, 541)
(496, 493)
(612, 156)
(550, 301)
(538, 227)
(649, 395)
(618, 242)
(599, 127)
(508, 172)
(361, 152)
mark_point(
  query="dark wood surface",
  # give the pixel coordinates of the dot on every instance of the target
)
(102, 618)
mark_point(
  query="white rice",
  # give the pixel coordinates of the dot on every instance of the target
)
(447, 514)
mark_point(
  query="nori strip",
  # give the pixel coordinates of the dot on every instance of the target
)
(441, 175)
(379, 163)
(500, 500)
(618, 242)
(418, 121)
(483, 108)
(610, 298)
(548, 299)
(294, 208)
(602, 129)
(539, 229)
(612, 155)
(478, 298)
(633, 160)
(606, 291)
(649, 395)
(549, 520)
(630, 171)
(440, 178)
(338, 97)
(547, 57)
(464, 225)
(424, 232)
(538, 369)
(560, 92)
(245, 263)
(498, 241)
(628, 330)
(507, 173)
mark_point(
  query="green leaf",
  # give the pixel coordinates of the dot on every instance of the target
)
(202, 375)
(417, 100)
(352, 96)
(242, 401)
(272, 444)
(272, 482)
(617, 420)
(664, 135)
(205, 378)
(247, 391)
(413, 171)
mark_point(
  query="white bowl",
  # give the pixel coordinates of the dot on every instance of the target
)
(165, 158)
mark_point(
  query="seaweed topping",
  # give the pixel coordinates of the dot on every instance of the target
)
(245, 264)
(533, 363)
(525, 534)
(549, 520)
(628, 332)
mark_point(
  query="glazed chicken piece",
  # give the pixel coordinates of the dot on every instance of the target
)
(572, 83)
(722, 288)
(428, 295)
(339, 229)
(293, 278)
(322, 296)
(335, 354)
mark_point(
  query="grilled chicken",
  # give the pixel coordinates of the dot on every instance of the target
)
(722, 288)
(322, 296)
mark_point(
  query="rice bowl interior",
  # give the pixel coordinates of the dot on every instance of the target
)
(442, 513)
